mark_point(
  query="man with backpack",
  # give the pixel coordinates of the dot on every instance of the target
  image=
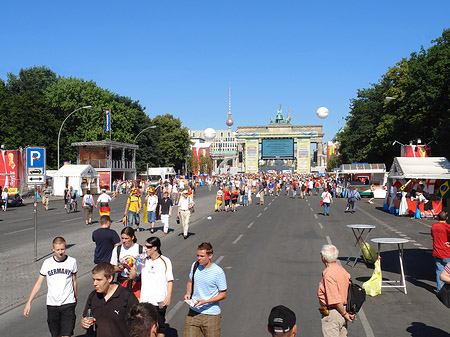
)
(353, 197)
(207, 286)
(107, 306)
(332, 294)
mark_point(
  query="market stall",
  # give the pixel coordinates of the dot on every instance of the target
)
(416, 183)
(80, 177)
(369, 178)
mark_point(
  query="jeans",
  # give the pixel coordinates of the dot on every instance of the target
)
(131, 216)
(440, 264)
(151, 216)
(326, 208)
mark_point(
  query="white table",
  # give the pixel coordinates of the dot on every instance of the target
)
(399, 242)
(358, 231)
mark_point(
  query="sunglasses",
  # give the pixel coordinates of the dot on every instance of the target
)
(148, 247)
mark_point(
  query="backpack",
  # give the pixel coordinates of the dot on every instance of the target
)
(196, 264)
(89, 201)
(356, 296)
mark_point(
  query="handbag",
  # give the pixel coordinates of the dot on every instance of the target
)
(321, 203)
(444, 295)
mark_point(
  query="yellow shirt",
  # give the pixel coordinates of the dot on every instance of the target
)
(133, 202)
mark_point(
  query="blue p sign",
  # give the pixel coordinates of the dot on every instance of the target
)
(36, 157)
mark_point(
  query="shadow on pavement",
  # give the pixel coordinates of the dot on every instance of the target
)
(418, 329)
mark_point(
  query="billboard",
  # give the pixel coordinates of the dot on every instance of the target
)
(303, 155)
(277, 148)
(13, 171)
(415, 151)
(251, 155)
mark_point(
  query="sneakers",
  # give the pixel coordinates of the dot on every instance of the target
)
(152, 230)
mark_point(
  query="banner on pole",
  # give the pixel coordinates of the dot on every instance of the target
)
(108, 120)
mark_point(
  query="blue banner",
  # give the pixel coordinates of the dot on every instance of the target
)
(107, 120)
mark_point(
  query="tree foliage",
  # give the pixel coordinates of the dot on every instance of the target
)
(34, 104)
(420, 86)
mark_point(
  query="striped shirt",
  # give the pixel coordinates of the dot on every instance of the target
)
(447, 268)
(208, 282)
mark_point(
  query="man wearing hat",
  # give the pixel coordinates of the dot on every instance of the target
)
(282, 322)
(184, 211)
(133, 207)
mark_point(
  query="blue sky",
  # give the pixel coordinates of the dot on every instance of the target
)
(180, 57)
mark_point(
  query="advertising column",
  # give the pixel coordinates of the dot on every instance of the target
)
(303, 155)
(251, 155)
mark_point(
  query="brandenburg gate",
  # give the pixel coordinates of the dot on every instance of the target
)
(280, 140)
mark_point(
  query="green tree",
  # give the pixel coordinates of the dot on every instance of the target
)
(174, 141)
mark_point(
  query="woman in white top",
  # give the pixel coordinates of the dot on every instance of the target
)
(88, 206)
(5, 199)
(124, 256)
(327, 199)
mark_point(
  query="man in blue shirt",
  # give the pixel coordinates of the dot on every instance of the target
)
(207, 286)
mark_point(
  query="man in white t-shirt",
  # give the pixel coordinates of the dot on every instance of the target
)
(61, 273)
(157, 280)
(152, 203)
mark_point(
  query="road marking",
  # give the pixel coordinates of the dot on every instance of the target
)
(329, 241)
(270, 203)
(251, 224)
(219, 259)
(402, 234)
(320, 225)
(422, 247)
(311, 209)
(20, 230)
(238, 238)
(417, 244)
(20, 220)
(259, 215)
(72, 219)
(315, 215)
(265, 207)
(172, 312)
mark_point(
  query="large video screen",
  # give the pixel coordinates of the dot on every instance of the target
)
(277, 148)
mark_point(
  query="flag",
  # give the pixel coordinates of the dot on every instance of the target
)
(108, 120)
(444, 189)
(406, 185)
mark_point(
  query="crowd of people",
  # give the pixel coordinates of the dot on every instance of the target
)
(134, 283)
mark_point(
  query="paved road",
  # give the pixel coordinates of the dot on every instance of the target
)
(270, 255)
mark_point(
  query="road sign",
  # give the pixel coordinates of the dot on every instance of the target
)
(37, 180)
(35, 171)
(36, 161)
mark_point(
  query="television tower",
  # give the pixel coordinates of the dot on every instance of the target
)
(229, 119)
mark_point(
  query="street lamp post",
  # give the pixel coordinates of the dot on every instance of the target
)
(150, 127)
(59, 133)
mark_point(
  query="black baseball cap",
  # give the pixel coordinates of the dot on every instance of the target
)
(281, 319)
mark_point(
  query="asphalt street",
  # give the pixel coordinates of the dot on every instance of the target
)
(270, 254)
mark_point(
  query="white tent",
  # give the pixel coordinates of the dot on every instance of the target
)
(78, 176)
(420, 168)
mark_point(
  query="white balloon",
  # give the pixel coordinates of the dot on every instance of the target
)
(322, 112)
(209, 133)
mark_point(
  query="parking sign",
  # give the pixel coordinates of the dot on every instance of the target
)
(36, 159)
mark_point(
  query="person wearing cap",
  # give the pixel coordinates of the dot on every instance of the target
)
(282, 322)
(184, 211)
(132, 208)
(332, 294)
(103, 200)
(152, 202)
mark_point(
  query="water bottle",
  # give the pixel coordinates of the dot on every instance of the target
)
(140, 259)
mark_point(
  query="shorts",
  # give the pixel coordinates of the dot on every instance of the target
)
(161, 319)
(234, 201)
(227, 202)
(61, 319)
(151, 216)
